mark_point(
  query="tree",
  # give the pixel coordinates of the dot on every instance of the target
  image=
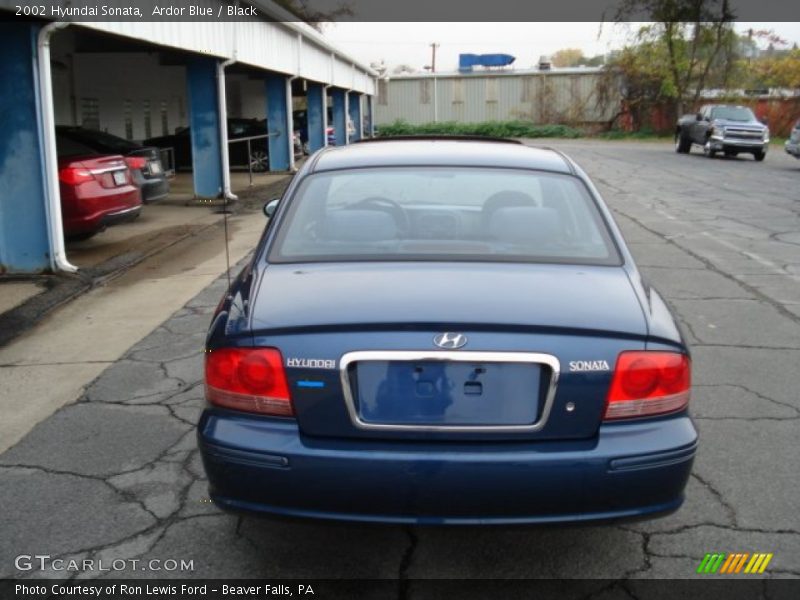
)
(317, 19)
(635, 75)
(691, 44)
(781, 71)
(567, 57)
(595, 61)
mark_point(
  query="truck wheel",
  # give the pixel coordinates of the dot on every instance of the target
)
(682, 144)
(759, 155)
(709, 151)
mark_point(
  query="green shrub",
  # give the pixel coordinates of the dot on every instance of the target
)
(512, 129)
(645, 133)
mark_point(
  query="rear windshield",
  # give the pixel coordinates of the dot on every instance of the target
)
(101, 140)
(443, 213)
(733, 113)
(69, 147)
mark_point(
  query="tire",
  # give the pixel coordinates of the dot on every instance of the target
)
(79, 237)
(759, 155)
(708, 151)
(683, 145)
(259, 161)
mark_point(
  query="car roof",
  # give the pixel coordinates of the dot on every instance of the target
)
(441, 152)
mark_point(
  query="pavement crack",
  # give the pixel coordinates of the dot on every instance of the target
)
(403, 588)
(720, 498)
(57, 364)
(748, 419)
(748, 390)
(646, 554)
(162, 529)
(610, 587)
(743, 346)
(175, 415)
(712, 267)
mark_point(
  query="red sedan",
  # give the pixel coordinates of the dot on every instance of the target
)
(96, 190)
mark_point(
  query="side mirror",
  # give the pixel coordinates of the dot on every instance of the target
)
(699, 117)
(270, 207)
(764, 120)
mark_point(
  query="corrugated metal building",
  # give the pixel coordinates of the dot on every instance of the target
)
(540, 96)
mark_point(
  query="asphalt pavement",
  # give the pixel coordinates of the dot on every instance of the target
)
(116, 475)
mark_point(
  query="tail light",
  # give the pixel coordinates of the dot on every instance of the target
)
(135, 162)
(648, 383)
(248, 379)
(75, 175)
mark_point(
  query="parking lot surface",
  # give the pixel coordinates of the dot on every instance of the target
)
(117, 473)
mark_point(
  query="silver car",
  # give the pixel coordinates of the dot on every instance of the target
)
(793, 143)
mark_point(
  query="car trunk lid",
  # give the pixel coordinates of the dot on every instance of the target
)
(110, 171)
(359, 345)
(349, 296)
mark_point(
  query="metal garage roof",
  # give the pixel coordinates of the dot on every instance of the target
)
(284, 45)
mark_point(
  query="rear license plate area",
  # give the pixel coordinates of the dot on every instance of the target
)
(120, 177)
(445, 393)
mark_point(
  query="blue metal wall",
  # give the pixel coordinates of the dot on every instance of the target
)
(369, 121)
(278, 122)
(204, 122)
(354, 100)
(339, 115)
(315, 111)
(24, 241)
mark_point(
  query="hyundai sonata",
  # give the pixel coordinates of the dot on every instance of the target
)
(445, 331)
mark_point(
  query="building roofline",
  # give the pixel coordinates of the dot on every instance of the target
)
(294, 23)
(495, 73)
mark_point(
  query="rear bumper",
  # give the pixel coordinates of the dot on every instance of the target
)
(120, 216)
(153, 188)
(793, 148)
(95, 212)
(631, 470)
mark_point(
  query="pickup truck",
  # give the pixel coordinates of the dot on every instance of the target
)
(722, 128)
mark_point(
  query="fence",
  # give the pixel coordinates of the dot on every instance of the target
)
(780, 113)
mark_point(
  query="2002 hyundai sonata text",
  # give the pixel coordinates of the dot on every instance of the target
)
(445, 331)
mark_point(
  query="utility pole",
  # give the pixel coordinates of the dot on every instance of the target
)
(434, 46)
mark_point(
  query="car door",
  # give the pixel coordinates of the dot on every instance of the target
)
(698, 126)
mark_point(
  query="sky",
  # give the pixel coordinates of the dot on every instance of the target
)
(409, 43)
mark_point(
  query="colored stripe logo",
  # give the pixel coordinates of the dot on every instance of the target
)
(734, 563)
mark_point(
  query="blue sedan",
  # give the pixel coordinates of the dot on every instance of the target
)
(445, 331)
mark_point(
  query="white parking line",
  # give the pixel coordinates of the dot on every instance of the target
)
(776, 269)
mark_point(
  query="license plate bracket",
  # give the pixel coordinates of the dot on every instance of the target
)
(448, 393)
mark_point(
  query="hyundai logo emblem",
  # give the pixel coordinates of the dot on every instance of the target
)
(450, 340)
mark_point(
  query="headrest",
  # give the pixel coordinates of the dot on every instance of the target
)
(507, 198)
(347, 225)
(517, 224)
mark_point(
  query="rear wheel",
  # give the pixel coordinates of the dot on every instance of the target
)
(682, 144)
(759, 155)
(708, 150)
(79, 237)
(259, 161)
